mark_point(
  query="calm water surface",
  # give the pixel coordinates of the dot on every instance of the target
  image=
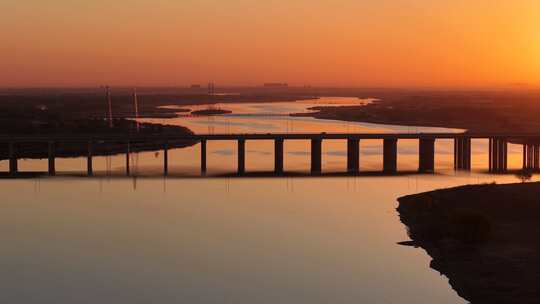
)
(217, 240)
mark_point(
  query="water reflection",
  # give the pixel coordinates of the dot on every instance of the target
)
(288, 240)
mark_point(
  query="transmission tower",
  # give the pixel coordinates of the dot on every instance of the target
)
(211, 88)
(136, 105)
(110, 106)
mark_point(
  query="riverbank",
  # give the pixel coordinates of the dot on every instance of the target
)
(91, 103)
(484, 238)
(488, 111)
(94, 129)
(481, 110)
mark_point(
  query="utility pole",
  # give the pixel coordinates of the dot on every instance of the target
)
(136, 105)
(110, 107)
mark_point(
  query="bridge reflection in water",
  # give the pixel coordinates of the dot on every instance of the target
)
(497, 163)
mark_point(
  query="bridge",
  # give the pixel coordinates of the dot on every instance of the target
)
(498, 148)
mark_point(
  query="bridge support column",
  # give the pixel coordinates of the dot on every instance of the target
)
(353, 155)
(390, 155)
(203, 157)
(457, 153)
(278, 155)
(52, 155)
(499, 155)
(504, 155)
(467, 154)
(490, 155)
(89, 167)
(241, 156)
(536, 157)
(524, 158)
(128, 152)
(13, 163)
(531, 157)
(494, 155)
(166, 159)
(316, 156)
(426, 161)
(462, 153)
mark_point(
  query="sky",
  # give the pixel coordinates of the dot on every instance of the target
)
(361, 43)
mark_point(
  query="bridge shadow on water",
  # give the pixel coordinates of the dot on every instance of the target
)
(247, 175)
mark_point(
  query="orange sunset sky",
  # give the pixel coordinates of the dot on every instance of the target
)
(390, 43)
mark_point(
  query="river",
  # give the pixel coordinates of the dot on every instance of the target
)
(150, 239)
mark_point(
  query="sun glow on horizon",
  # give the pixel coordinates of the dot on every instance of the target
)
(350, 43)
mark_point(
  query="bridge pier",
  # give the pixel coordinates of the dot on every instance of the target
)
(13, 162)
(278, 155)
(203, 157)
(128, 166)
(526, 156)
(52, 155)
(467, 153)
(390, 155)
(494, 155)
(502, 155)
(241, 156)
(426, 161)
(353, 155)
(462, 153)
(166, 159)
(531, 157)
(498, 155)
(89, 167)
(316, 156)
(536, 157)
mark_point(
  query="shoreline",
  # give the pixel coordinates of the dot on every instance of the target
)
(473, 111)
(123, 128)
(484, 238)
(477, 111)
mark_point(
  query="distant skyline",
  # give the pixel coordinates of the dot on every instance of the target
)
(399, 43)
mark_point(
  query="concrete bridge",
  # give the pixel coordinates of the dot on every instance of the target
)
(498, 151)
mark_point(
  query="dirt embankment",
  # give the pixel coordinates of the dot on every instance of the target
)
(474, 111)
(485, 239)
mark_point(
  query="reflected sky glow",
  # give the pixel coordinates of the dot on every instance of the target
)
(287, 240)
(281, 240)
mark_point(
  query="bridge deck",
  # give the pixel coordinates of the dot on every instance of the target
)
(259, 136)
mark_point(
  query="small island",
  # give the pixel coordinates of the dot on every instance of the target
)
(210, 112)
(484, 238)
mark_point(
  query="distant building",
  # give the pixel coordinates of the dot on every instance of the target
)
(196, 86)
(276, 85)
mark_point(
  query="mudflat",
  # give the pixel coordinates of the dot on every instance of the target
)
(484, 238)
